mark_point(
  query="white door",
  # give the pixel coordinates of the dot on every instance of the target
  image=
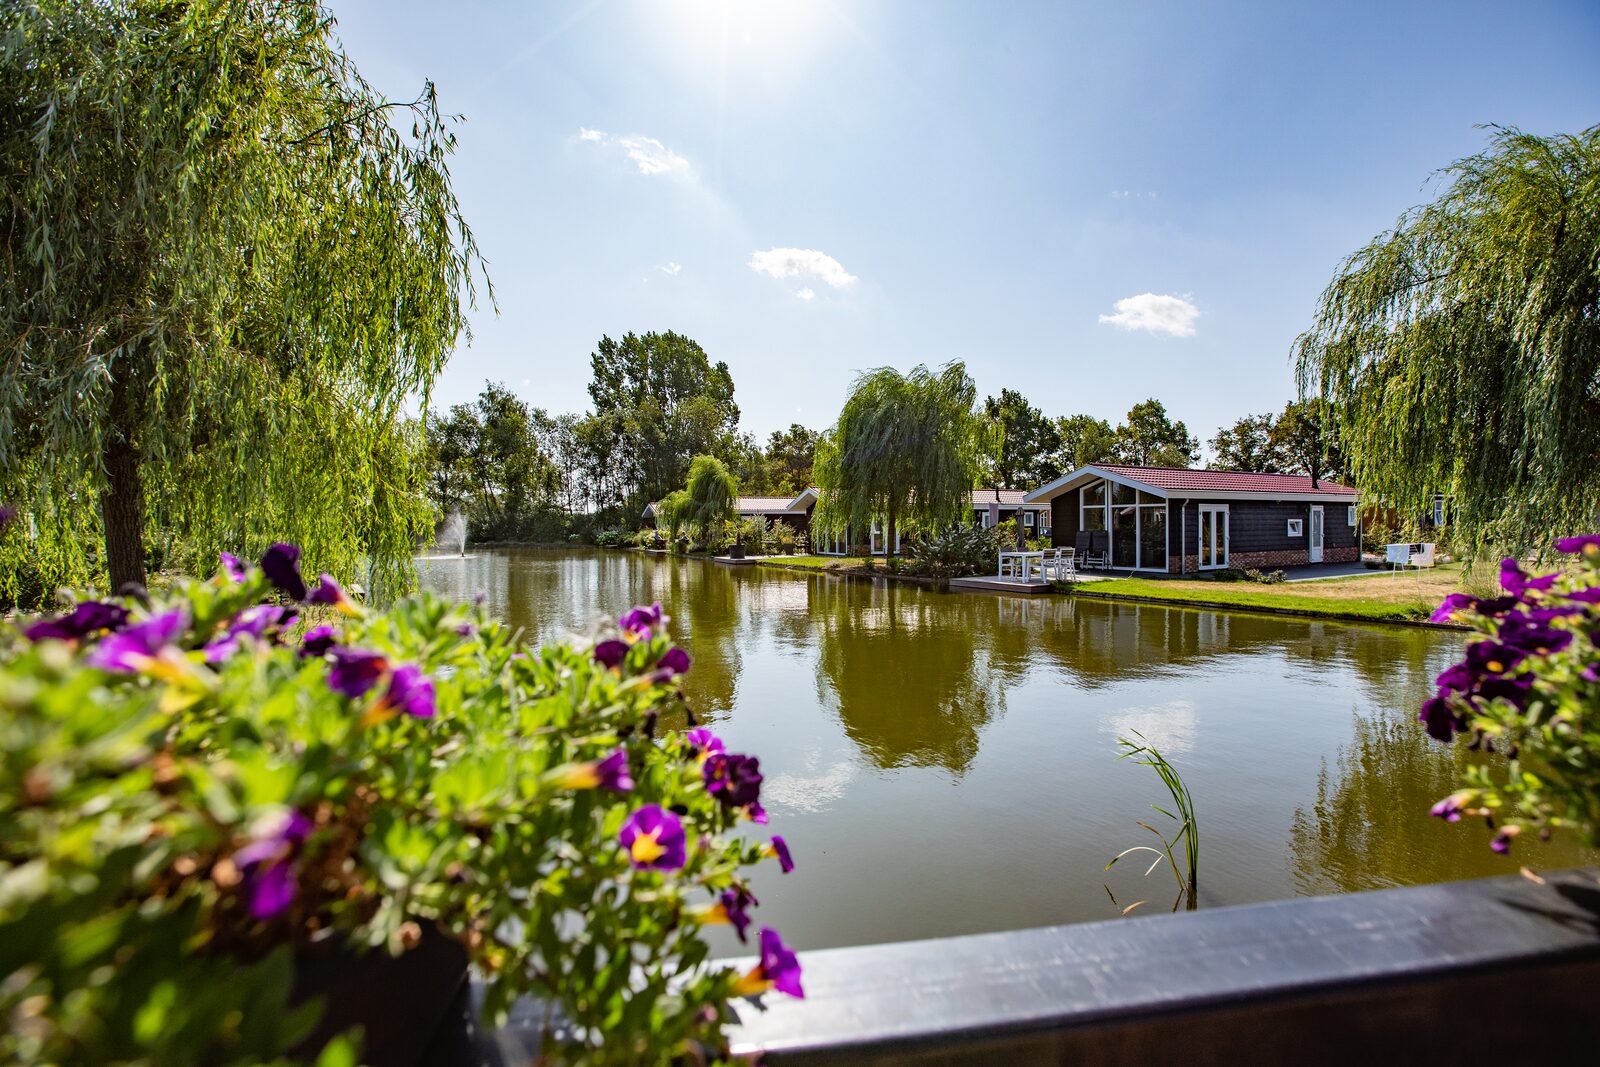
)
(1315, 536)
(1213, 538)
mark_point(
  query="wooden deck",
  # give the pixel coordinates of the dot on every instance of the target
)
(994, 584)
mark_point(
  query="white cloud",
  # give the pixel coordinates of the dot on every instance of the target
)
(1131, 194)
(1171, 727)
(1167, 314)
(801, 263)
(807, 293)
(670, 269)
(649, 155)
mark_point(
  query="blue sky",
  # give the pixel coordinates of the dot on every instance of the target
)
(1091, 203)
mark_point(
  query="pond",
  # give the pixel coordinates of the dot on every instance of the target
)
(946, 763)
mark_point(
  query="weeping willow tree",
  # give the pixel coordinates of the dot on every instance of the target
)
(1462, 348)
(710, 499)
(226, 262)
(905, 452)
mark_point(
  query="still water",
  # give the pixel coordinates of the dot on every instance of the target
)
(947, 763)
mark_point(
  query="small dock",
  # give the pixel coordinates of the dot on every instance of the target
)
(729, 561)
(994, 584)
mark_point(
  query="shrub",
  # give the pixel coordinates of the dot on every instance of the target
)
(612, 538)
(1264, 577)
(1528, 688)
(194, 794)
(958, 552)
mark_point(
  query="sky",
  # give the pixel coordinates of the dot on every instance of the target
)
(1091, 203)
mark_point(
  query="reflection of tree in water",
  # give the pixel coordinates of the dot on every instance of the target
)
(704, 604)
(1369, 827)
(905, 673)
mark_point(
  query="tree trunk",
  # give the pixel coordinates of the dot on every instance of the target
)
(122, 503)
(888, 539)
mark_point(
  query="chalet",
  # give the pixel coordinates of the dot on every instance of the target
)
(771, 508)
(990, 507)
(1184, 521)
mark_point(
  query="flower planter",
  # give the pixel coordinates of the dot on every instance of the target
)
(398, 1001)
(736, 552)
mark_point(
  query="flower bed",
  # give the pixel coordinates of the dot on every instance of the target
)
(200, 793)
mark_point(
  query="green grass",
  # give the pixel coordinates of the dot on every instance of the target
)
(1378, 596)
(815, 563)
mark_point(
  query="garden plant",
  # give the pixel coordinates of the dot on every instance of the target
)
(199, 792)
(1528, 688)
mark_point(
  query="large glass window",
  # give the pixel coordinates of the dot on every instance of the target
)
(1153, 537)
(1092, 510)
(1125, 537)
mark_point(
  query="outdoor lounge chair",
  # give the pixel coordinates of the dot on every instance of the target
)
(1091, 549)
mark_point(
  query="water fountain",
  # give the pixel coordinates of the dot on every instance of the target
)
(453, 531)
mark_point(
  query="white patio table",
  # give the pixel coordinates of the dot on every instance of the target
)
(1025, 562)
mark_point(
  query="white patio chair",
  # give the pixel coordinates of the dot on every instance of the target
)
(1065, 565)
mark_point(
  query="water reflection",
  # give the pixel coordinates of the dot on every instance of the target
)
(946, 763)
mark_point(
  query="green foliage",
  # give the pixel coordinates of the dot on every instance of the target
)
(1084, 440)
(711, 499)
(1461, 348)
(1029, 443)
(485, 460)
(959, 552)
(1300, 440)
(658, 402)
(228, 263)
(906, 449)
(1529, 689)
(790, 454)
(1247, 446)
(1187, 874)
(1149, 438)
(1264, 577)
(129, 930)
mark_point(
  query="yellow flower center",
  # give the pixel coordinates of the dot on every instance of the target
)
(646, 849)
(752, 982)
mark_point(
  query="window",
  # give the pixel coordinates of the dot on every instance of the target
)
(1351, 515)
(1438, 511)
(1296, 527)
(1027, 518)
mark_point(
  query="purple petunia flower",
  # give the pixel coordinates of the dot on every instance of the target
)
(641, 621)
(610, 653)
(138, 648)
(779, 849)
(1502, 840)
(1533, 637)
(1452, 604)
(610, 773)
(703, 742)
(330, 593)
(733, 779)
(232, 566)
(654, 839)
(410, 691)
(318, 640)
(673, 662)
(756, 814)
(779, 969)
(1517, 582)
(355, 670)
(263, 620)
(281, 565)
(733, 906)
(1442, 720)
(270, 865)
(1448, 809)
(1591, 673)
(88, 617)
(1588, 545)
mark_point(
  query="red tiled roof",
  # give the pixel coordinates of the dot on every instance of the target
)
(763, 503)
(1175, 480)
(1009, 498)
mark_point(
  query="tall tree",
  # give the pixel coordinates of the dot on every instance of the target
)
(710, 497)
(1462, 347)
(1304, 439)
(790, 454)
(1249, 445)
(487, 463)
(226, 268)
(1151, 439)
(1028, 442)
(905, 451)
(1084, 440)
(663, 402)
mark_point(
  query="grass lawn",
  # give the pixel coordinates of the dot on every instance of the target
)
(1375, 595)
(815, 563)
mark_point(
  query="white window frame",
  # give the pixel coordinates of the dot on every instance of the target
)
(1295, 528)
(1438, 511)
(1027, 519)
(1352, 515)
(1203, 509)
(1110, 505)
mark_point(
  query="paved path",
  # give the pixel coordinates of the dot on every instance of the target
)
(1319, 571)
